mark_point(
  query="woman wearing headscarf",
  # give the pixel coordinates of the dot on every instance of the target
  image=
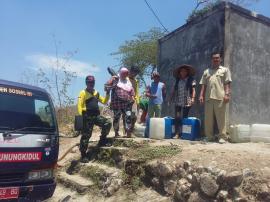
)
(122, 99)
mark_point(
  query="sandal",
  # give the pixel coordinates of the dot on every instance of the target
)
(177, 136)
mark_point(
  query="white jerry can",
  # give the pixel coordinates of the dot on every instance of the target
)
(139, 130)
(240, 133)
(161, 128)
(260, 133)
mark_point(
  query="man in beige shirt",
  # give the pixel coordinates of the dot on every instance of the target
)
(215, 94)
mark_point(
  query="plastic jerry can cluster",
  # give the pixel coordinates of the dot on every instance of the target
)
(260, 133)
(160, 128)
(240, 133)
(191, 127)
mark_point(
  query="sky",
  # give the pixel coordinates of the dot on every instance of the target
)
(92, 28)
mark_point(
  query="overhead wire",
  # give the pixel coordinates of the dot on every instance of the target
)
(156, 16)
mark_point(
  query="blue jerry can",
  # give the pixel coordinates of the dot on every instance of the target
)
(160, 128)
(146, 132)
(169, 127)
(191, 127)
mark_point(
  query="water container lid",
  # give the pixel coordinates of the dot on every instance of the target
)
(192, 118)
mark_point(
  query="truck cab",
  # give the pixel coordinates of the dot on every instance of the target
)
(29, 143)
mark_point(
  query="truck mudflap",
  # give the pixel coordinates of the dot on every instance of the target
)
(28, 193)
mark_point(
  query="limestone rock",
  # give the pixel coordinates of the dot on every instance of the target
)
(208, 185)
(190, 170)
(114, 186)
(183, 182)
(110, 191)
(164, 170)
(234, 178)
(221, 176)
(115, 174)
(183, 190)
(189, 178)
(186, 165)
(200, 169)
(216, 171)
(222, 195)
(133, 167)
(178, 165)
(196, 197)
(240, 200)
(170, 187)
(195, 181)
(264, 193)
(178, 196)
(247, 173)
(180, 172)
(209, 169)
(155, 182)
(159, 169)
(152, 168)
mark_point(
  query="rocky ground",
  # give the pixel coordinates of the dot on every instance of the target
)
(140, 169)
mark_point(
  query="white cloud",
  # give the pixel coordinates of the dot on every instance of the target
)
(48, 61)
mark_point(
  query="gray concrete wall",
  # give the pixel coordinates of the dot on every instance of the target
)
(191, 44)
(248, 44)
(245, 40)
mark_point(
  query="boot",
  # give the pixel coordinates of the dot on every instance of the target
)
(116, 134)
(129, 134)
(103, 142)
(84, 158)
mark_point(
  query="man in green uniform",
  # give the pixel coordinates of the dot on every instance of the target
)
(89, 109)
(215, 94)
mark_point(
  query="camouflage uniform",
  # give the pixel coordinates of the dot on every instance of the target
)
(89, 109)
(89, 122)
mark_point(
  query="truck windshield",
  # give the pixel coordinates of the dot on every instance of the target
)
(21, 112)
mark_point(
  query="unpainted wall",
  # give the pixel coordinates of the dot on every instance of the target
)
(249, 59)
(191, 44)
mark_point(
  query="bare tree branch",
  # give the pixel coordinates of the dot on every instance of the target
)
(200, 2)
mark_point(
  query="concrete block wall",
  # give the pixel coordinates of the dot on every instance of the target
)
(244, 38)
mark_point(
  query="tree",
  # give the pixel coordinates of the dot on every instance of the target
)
(56, 79)
(208, 4)
(141, 51)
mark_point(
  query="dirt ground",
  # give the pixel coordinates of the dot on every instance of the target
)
(229, 157)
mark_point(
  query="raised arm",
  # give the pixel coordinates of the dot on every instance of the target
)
(105, 99)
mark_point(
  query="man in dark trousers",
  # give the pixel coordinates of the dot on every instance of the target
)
(89, 109)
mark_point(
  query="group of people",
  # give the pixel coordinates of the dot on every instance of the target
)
(123, 89)
(124, 93)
